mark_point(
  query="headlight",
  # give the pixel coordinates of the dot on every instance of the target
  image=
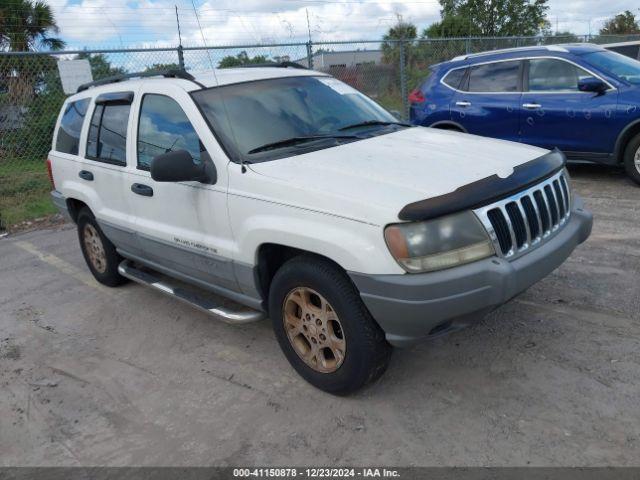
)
(438, 244)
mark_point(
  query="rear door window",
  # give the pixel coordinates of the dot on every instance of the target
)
(68, 139)
(107, 141)
(499, 77)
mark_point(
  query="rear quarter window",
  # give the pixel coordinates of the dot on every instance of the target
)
(454, 78)
(68, 138)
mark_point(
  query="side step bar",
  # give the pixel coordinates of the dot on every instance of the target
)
(129, 270)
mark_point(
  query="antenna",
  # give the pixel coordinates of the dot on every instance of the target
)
(178, 22)
(243, 169)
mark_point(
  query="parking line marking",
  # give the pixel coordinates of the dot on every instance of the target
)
(63, 266)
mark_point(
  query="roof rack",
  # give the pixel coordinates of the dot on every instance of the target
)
(171, 73)
(551, 48)
(274, 65)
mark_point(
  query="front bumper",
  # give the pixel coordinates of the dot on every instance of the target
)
(410, 307)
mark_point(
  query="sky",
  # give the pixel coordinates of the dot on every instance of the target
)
(127, 23)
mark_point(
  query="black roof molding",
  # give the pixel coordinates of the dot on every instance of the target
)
(171, 73)
(274, 65)
(486, 191)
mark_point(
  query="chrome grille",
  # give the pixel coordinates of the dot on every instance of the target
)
(529, 218)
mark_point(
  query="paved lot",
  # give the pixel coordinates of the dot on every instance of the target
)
(94, 376)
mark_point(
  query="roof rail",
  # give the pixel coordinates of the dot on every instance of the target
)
(551, 48)
(274, 65)
(171, 73)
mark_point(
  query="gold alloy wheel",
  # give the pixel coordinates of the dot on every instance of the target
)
(94, 248)
(314, 330)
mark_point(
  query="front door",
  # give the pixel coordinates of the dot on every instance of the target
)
(555, 114)
(182, 226)
(488, 102)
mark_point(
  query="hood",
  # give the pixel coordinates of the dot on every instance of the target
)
(372, 180)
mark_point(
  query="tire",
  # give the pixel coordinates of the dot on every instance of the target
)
(353, 352)
(631, 156)
(99, 253)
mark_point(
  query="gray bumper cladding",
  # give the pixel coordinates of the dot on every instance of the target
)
(408, 307)
(61, 203)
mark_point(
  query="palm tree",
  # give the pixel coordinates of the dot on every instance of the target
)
(26, 26)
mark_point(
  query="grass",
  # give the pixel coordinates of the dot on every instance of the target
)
(24, 191)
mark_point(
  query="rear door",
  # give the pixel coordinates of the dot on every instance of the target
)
(182, 227)
(488, 102)
(556, 114)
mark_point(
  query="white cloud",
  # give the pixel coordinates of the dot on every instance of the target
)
(228, 22)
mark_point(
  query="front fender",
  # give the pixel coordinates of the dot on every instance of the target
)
(355, 246)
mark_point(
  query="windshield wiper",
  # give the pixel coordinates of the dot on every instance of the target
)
(373, 123)
(296, 140)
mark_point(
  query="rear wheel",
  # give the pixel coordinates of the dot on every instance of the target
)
(323, 328)
(99, 253)
(632, 159)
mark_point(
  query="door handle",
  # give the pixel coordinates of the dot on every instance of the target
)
(140, 189)
(463, 104)
(86, 175)
(531, 106)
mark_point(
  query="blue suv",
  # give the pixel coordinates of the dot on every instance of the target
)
(582, 99)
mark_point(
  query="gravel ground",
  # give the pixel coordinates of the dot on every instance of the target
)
(94, 376)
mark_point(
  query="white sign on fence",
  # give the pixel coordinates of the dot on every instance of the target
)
(74, 73)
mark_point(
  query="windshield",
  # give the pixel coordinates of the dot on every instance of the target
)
(622, 67)
(268, 119)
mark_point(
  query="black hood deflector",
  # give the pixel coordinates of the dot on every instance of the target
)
(485, 191)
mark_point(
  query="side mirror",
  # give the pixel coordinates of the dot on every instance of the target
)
(592, 84)
(179, 166)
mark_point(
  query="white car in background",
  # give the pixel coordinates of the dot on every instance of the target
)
(301, 199)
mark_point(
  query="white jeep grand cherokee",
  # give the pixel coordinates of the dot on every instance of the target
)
(301, 199)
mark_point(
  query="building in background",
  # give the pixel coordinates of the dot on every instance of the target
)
(324, 60)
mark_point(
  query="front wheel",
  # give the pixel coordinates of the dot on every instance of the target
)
(632, 159)
(323, 328)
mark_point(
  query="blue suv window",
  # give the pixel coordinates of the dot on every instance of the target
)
(553, 75)
(454, 78)
(495, 77)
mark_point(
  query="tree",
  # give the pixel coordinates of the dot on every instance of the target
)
(241, 59)
(450, 26)
(162, 66)
(491, 18)
(622, 24)
(100, 66)
(391, 47)
(26, 25)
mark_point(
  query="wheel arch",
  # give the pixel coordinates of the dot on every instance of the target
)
(624, 138)
(448, 125)
(271, 256)
(74, 206)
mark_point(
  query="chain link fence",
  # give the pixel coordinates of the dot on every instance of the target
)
(31, 91)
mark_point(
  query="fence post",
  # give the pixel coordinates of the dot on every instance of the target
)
(467, 46)
(403, 80)
(181, 57)
(309, 55)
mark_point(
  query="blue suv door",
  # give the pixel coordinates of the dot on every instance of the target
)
(489, 100)
(556, 114)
